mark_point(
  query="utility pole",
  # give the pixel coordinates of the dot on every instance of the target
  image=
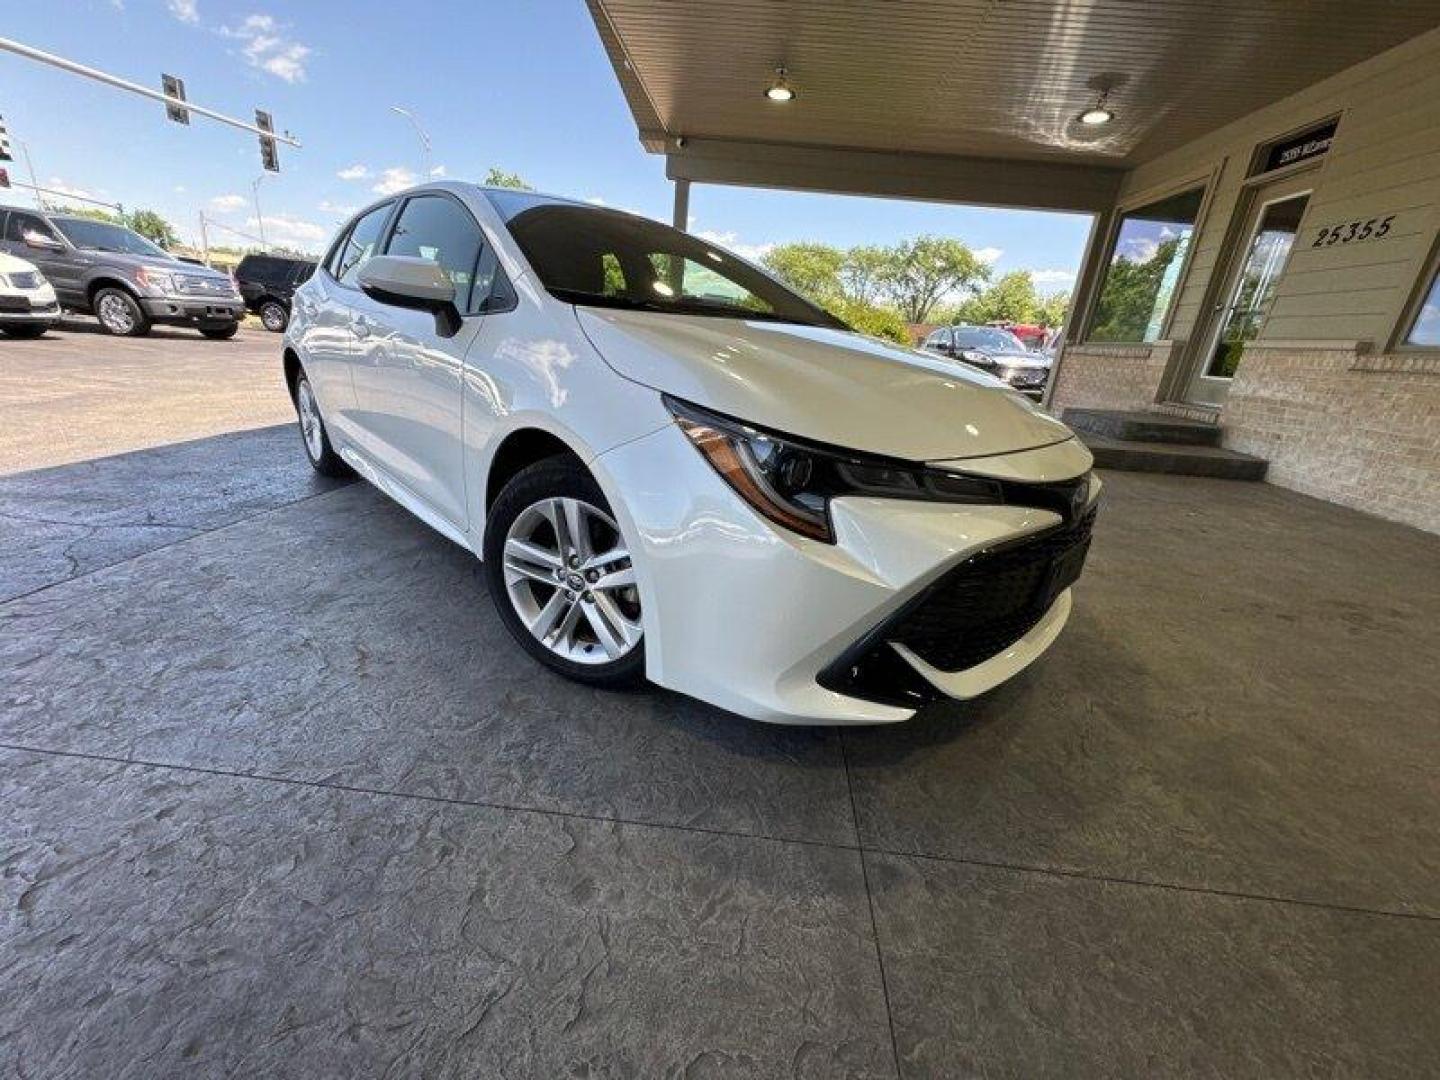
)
(204, 241)
(259, 220)
(34, 184)
(424, 139)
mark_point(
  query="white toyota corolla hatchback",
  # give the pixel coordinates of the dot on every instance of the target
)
(675, 468)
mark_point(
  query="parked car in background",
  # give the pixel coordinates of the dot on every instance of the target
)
(118, 276)
(267, 283)
(673, 467)
(996, 352)
(27, 301)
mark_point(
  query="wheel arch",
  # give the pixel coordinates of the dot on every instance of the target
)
(293, 367)
(108, 281)
(519, 449)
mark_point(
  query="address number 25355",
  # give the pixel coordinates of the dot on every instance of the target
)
(1352, 232)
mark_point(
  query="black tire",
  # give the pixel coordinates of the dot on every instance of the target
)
(274, 316)
(321, 455)
(221, 331)
(25, 330)
(556, 477)
(120, 314)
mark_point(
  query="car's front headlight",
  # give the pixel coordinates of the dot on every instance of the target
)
(975, 356)
(155, 279)
(791, 481)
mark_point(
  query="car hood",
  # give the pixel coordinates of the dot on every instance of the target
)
(832, 386)
(160, 262)
(9, 264)
(1015, 359)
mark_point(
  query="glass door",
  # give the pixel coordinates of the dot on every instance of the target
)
(1276, 219)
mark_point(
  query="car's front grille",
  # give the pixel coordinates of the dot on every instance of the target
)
(993, 599)
(198, 285)
(26, 280)
(973, 612)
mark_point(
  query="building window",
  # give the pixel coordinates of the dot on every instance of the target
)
(1425, 331)
(1145, 264)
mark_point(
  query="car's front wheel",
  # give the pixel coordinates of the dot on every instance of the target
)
(561, 575)
(273, 316)
(313, 434)
(119, 313)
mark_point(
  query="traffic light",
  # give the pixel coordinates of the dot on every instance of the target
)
(269, 150)
(4, 178)
(4, 142)
(174, 87)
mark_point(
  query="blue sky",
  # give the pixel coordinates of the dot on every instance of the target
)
(525, 86)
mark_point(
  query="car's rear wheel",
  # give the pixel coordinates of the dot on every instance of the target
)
(220, 331)
(561, 576)
(120, 314)
(273, 316)
(322, 455)
(25, 330)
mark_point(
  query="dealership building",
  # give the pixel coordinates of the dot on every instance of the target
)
(1259, 292)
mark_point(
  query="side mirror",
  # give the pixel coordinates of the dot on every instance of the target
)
(41, 242)
(408, 282)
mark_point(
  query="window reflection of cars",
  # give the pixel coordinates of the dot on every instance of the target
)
(996, 352)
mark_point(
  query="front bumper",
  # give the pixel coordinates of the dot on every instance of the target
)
(751, 618)
(29, 307)
(193, 308)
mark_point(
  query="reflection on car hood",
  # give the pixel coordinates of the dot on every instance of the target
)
(828, 385)
(1015, 359)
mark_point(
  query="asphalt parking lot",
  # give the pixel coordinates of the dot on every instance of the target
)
(281, 797)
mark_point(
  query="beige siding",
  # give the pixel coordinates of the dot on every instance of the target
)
(1385, 160)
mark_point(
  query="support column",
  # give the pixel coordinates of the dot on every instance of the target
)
(681, 218)
(1082, 297)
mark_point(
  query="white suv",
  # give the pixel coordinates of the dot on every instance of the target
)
(674, 467)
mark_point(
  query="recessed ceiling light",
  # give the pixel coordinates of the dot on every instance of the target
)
(780, 89)
(1099, 113)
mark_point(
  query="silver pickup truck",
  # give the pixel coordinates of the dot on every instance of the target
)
(118, 276)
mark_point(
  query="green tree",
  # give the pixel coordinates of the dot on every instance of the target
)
(497, 177)
(153, 227)
(872, 319)
(812, 270)
(1012, 298)
(862, 272)
(94, 213)
(1127, 300)
(1055, 309)
(919, 272)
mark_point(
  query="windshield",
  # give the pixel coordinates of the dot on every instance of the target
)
(101, 236)
(988, 339)
(588, 255)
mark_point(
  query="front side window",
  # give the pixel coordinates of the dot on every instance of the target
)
(359, 245)
(20, 224)
(1425, 331)
(439, 229)
(1139, 286)
(102, 236)
(592, 256)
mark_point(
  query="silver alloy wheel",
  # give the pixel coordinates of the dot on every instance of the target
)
(310, 420)
(272, 316)
(570, 579)
(115, 314)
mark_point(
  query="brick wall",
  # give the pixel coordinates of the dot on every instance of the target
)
(1110, 376)
(1359, 430)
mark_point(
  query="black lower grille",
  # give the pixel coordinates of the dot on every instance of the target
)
(978, 609)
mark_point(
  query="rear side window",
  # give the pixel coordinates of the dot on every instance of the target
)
(440, 229)
(20, 224)
(360, 245)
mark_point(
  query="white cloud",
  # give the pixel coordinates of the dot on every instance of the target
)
(1052, 277)
(180, 189)
(354, 172)
(228, 204)
(288, 231)
(988, 255)
(56, 184)
(184, 10)
(1140, 249)
(730, 242)
(267, 47)
(395, 179)
(595, 200)
(438, 171)
(328, 207)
